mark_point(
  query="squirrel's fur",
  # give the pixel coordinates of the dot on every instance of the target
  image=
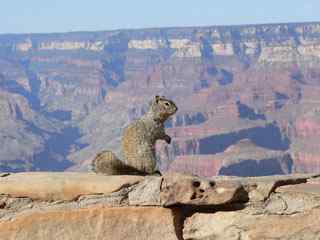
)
(138, 142)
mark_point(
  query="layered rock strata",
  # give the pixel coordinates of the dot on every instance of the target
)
(64, 97)
(174, 206)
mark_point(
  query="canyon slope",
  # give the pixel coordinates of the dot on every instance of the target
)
(248, 97)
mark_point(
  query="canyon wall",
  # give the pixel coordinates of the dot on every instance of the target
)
(247, 96)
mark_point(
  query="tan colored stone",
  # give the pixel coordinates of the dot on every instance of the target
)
(306, 188)
(288, 207)
(147, 192)
(278, 54)
(315, 180)
(95, 223)
(291, 199)
(224, 49)
(146, 44)
(239, 225)
(286, 203)
(192, 190)
(72, 45)
(52, 186)
(260, 188)
(185, 48)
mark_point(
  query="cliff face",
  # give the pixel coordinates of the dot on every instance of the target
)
(174, 206)
(65, 97)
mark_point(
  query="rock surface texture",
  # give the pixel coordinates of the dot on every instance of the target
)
(248, 97)
(173, 206)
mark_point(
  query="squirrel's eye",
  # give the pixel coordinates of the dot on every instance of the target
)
(167, 104)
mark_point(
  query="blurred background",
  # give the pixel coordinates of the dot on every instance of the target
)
(245, 76)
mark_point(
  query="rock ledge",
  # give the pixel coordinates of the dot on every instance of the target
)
(65, 205)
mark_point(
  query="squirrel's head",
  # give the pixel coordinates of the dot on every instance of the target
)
(163, 107)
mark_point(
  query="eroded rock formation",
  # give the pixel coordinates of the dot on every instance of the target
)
(65, 97)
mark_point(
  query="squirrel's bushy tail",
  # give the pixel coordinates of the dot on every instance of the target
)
(107, 163)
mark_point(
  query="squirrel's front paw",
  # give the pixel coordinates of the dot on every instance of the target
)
(167, 138)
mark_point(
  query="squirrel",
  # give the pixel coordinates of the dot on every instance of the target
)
(138, 142)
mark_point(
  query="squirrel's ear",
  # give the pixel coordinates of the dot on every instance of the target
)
(157, 98)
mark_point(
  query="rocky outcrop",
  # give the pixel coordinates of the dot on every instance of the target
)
(95, 223)
(248, 225)
(241, 159)
(286, 212)
(173, 206)
(62, 186)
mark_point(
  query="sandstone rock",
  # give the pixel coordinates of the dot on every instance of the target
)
(260, 188)
(191, 190)
(288, 210)
(288, 203)
(91, 206)
(62, 186)
(315, 180)
(115, 199)
(70, 45)
(305, 188)
(240, 225)
(292, 199)
(147, 192)
(146, 44)
(14, 203)
(95, 223)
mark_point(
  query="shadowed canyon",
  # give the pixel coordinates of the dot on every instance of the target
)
(248, 97)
